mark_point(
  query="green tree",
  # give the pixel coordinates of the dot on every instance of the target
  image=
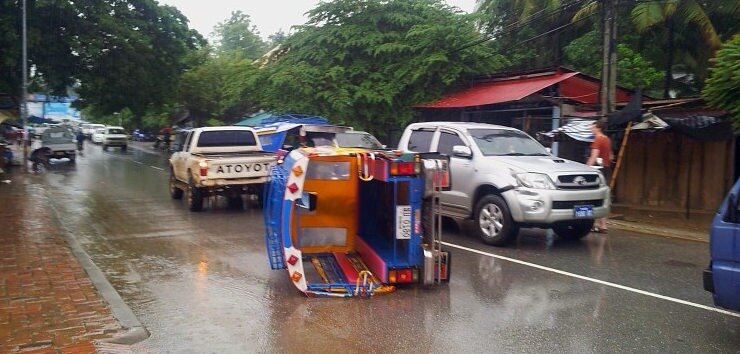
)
(219, 89)
(238, 36)
(367, 62)
(117, 54)
(633, 70)
(681, 21)
(722, 89)
(531, 32)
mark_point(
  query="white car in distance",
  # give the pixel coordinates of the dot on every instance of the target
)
(97, 135)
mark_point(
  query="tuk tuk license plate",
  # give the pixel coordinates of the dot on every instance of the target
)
(583, 211)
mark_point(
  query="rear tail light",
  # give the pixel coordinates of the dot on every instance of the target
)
(396, 276)
(405, 168)
(203, 168)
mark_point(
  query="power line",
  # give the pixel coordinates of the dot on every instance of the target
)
(520, 24)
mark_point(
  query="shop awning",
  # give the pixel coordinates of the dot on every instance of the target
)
(498, 91)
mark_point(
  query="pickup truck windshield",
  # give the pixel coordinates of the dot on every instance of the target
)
(504, 142)
(116, 131)
(358, 139)
(225, 138)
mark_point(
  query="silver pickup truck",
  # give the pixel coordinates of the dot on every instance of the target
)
(226, 161)
(504, 179)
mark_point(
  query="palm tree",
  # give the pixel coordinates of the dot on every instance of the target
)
(673, 13)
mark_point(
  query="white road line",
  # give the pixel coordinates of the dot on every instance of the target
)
(157, 168)
(638, 291)
(139, 162)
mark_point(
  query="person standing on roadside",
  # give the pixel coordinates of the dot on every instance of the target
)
(601, 148)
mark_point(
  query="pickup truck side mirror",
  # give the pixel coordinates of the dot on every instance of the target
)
(462, 151)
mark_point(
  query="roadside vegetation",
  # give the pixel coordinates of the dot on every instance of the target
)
(358, 62)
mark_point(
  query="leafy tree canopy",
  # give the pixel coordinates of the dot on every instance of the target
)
(238, 36)
(117, 54)
(722, 89)
(367, 62)
(221, 88)
(632, 69)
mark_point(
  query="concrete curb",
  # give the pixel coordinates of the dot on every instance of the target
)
(659, 231)
(135, 331)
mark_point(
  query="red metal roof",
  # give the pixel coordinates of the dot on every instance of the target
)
(498, 91)
(586, 91)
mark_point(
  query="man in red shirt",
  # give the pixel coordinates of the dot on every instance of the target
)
(601, 148)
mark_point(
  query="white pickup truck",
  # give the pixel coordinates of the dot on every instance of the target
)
(227, 161)
(61, 141)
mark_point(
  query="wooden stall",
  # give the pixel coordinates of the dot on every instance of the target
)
(669, 171)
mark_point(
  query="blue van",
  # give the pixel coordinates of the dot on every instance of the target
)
(722, 278)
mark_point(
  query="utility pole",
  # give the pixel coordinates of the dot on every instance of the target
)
(24, 98)
(609, 57)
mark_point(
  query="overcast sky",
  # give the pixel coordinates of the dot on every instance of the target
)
(268, 15)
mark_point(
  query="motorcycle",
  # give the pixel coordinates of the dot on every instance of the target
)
(162, 143)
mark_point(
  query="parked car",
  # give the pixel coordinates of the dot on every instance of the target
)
(90, 128)
(113, 136)
(97, 135)
(722, 277)
(357, 139)
(504, 179)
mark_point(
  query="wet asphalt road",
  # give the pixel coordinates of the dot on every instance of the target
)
(200, 282)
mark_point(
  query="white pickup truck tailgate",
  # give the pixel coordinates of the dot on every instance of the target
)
(239, 167)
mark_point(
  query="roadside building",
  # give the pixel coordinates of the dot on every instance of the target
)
(678, 162)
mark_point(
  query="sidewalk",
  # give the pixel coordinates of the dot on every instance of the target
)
(48, 303)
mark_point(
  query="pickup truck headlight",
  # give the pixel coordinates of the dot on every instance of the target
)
(534, 180)
(602, 180)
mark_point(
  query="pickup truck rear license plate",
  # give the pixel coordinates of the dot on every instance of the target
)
(583, 211)
(59, 153)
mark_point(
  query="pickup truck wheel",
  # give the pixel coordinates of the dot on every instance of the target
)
(71, 158)
(175, 192)
(493, 220)
(105, 147)
(195, 197)
(123, 148)
(573, 230)
(236, 203)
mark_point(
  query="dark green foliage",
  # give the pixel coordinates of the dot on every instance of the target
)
(115, 54)
(633, 70)
(237, 36)
(722, 89)
(366, 63)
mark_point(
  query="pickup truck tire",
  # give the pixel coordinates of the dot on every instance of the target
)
(195, 197)
(71, 158)
(236, 203)
(123, 148)
(105, 147)
(494, 224)
(175, 192)
(573, 230)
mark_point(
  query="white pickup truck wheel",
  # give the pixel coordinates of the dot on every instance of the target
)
(493, 220)
(175, 192)
(195, 197)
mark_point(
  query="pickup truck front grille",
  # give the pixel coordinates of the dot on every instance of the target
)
(570, 204)
(579, 181)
